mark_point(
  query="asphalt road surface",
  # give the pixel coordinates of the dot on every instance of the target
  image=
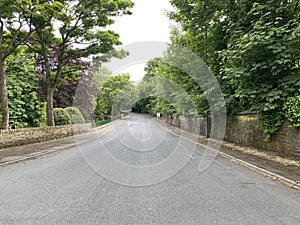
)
(140, 174)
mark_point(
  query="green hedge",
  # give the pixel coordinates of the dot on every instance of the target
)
(61, 117)
(76, 115)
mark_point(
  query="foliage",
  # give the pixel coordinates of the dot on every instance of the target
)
(292, 111)
(88, 89)
(77, 23)
(251, 46)
(12, 35)
(170, 90)
(143, 105)
(270, 122)
(80, 89)
(114, 91)
(261, 62)
(22, 85)
(61, 117)
(125, 99)
(76, 115)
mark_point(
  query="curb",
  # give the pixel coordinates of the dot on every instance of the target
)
(276, 177)
(65, 147)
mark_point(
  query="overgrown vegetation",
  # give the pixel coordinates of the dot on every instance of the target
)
(251, 46)
(55, 31)
(116, 93)
(22, 84)
(292, 111)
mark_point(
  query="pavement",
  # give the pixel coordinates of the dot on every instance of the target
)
(140, 184)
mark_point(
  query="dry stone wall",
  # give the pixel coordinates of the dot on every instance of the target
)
(244, 130)
(24, 136)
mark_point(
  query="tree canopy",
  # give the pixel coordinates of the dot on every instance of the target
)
(116, 93)
(252, 47)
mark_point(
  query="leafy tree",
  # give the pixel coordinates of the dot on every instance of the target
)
(262, 61)
(251, 46)
(79, 23)
(171, 90)
(198, 20)
(12, 35)
(147, 87)
(22, 86)
(203, 29)
(113, 93)
(126, 99)
(79, 71)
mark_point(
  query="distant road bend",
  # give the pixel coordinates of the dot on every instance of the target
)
(140, 174)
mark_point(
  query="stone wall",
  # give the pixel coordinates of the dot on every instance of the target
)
(24, 136)
(244, 130)
(191, 124)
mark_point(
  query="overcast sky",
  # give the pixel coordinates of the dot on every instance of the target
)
(147, 23)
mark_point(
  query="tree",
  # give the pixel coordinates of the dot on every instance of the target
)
(252, 47)
(112, 94)
(13, 22)
(77, 70)
(22, 86)
(146, 88)
(68, 23)
(261, 62)
(126, 99)
(203, 29)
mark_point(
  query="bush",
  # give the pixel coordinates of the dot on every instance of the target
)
(61, 117)
(22, 85)
(292, 111)
(76, 115)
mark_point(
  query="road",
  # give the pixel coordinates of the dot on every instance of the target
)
(148, 182)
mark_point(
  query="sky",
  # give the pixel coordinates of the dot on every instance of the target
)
(148, 22)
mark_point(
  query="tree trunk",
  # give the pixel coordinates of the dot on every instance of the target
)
(50, 87)
(50, 115)
(3, 93)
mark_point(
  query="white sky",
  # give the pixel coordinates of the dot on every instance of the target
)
(147, 23)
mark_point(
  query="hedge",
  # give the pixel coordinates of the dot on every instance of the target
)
(76, 115)
(61, 117)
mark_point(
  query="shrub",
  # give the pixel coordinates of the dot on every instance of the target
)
(22, 85)
(292, 111)
(61, 117)
(76, 115)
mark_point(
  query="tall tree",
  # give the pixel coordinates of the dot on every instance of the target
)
(77, 70)
(22, 85)
(15, 29)
(261, 62)
(252, 46)
(116, 90)
(80, 24)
